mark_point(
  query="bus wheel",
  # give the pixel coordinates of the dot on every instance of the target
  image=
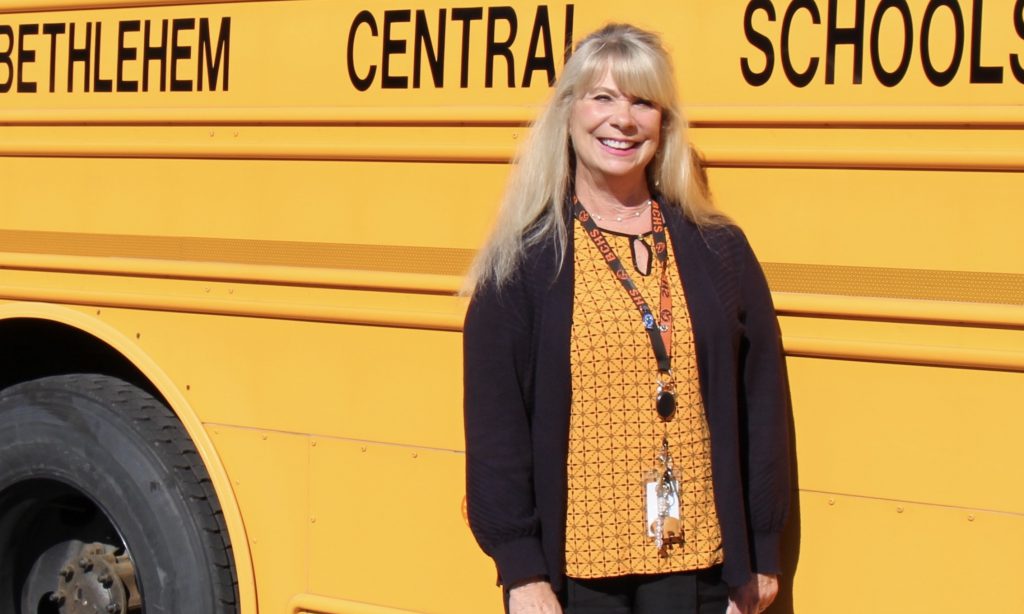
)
(105, 506)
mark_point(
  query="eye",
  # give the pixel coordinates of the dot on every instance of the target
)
(602, 97)
(643, 102)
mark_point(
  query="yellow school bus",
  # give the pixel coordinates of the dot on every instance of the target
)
(232, 236)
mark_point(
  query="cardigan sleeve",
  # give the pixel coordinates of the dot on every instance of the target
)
(499, 456)
(765, 410)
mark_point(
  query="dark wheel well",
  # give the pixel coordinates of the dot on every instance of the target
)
(105, 505)
(31, 348)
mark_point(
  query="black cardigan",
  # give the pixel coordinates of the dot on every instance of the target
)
(517, 393)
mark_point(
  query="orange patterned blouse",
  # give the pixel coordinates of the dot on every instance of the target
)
(615, 433)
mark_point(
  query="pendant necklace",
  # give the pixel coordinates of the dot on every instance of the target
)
(619, 217)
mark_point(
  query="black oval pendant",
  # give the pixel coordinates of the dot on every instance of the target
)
(666, 404)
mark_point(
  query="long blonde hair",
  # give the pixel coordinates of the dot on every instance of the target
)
(532, 207)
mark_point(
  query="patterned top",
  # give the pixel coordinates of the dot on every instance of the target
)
(615, 433)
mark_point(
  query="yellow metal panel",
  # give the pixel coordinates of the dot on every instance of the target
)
(268, 476)
(904, 219)
(866, 555)
(307, 377)
(927, 435)
(366, 383)
(366, 203)
(388, 528)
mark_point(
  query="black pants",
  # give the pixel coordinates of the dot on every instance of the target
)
(697, 592)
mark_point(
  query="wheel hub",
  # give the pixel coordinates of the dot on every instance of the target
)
(96, 580)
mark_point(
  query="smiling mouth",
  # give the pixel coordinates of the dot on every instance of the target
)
(619, 145)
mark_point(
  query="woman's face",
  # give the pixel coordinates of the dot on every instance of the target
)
(614, 135)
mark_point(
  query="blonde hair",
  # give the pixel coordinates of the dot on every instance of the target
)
(532, 207)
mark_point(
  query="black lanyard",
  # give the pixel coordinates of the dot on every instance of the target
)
(660, 343)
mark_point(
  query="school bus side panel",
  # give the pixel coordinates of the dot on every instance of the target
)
(280, 216)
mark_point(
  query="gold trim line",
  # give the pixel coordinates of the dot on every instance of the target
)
(41, 6)
(348, 279)
(318, 604)
(700, 116)
(452, 321)
(943, 297)
(919, 355)
(900, 310)
(896, 283)
(1001, 161)
(445, 321)
(863, 159)
(200, 150)
(75, 250)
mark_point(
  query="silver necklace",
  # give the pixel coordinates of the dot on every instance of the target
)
(622, 216)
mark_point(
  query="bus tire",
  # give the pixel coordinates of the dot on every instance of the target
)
(105, 505)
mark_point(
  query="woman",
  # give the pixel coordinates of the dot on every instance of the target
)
(625, 395)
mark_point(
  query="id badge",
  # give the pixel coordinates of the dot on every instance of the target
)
(672, 500)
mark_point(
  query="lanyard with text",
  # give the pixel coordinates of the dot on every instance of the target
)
(659, 330)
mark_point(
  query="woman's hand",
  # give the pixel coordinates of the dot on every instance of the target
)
(533, 598)
(755, 596)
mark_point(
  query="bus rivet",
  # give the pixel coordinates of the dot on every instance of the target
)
(831, 501)
(899, 509)
(970, 517)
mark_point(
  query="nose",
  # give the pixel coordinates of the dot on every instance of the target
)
(622, 116)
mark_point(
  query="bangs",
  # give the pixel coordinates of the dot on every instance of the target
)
(636, 73)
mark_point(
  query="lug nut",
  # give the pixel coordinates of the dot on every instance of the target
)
(105, 579)
(85, 564)
(57, 598)
(67, 573)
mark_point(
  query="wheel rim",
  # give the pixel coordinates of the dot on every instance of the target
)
(67, 555)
